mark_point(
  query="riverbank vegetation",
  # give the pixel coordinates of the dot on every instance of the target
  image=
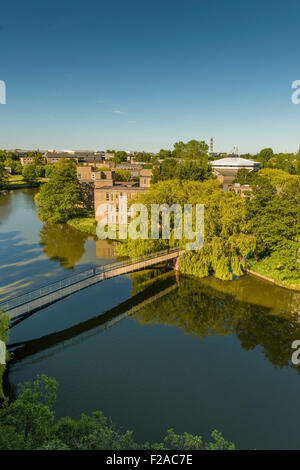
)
(226, 236)
(261, 230)
(86, 224)
(4, 335)
(274, 219)
(28, 423)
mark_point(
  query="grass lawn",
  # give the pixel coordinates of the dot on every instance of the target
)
(17, 182)
(270, 267)
(84, 224)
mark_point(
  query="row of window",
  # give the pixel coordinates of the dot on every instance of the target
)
(116, 196)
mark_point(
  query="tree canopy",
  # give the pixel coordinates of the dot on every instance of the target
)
(61, 198)
(226, 239)
(194, 149)
(192, 170)
(28, 424)
(3, 175)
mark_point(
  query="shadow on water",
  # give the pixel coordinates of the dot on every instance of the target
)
(200, 308)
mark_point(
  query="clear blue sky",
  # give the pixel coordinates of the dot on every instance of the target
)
(145, 74)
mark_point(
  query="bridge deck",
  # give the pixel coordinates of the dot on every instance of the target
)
(47, 295)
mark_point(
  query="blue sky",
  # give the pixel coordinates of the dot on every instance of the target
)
(143, 75)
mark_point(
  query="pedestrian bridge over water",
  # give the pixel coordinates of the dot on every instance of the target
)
(46, 295)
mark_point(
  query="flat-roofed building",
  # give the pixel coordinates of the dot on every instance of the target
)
(226, 169)
(106, 190)
(25, 160)
(111, 195)
(56, 157)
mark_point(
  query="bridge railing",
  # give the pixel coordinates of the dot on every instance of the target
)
(76, 278)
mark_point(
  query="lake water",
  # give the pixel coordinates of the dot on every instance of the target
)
(152, 350)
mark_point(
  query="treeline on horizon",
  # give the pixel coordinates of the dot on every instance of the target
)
(191, 150)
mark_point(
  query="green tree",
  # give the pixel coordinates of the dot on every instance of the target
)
(28, 424)
(122, 175)
(38, 159)
(227, 239)
(29, 173)
(275, 221)
(277, 178)
(3, 176)
(15, 166)
(165, 171)
(162, 154)
(243, 176)
(194, 150)
(120, 157)
(40, 171)
(143, 157)
(264, 156)
(49, 170)
(61, 198)
(194, 170)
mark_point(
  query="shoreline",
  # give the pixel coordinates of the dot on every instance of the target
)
(293, 287)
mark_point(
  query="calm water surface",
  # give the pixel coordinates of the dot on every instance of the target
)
(150, 350)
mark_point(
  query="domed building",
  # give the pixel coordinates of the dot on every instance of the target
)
(226, 169)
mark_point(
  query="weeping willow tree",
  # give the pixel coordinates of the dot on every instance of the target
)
(4, 330)
(227, 239)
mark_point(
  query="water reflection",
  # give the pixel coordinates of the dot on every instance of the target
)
(198, 307)
(205, 308)
(62, 243)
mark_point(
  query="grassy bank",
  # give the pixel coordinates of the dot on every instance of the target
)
(270, 269)
(84, 224)
(18, 182)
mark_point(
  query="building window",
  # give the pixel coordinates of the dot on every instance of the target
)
(111, 196)
(107, 196)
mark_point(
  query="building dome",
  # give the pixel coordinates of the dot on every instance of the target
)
(235, 163)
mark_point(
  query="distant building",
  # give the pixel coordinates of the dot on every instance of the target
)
(145, 178)
(226, 169)
(112, 193)
(25, 160)
(100, 187)
(56, 157)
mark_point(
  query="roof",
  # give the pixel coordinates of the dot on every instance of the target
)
(147, 172)
(234, 162)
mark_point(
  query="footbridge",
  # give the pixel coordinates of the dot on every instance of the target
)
(37, 349)
(48, 294)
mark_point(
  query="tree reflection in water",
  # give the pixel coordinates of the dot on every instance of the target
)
(62, 243)
(259, 314)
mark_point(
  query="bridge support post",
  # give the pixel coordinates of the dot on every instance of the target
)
(177, 261)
